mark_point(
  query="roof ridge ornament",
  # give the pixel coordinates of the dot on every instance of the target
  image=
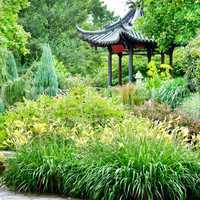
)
(124, 20)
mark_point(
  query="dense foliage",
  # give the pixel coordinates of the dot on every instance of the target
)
(54, 22)
(172, 92)
(46, 80)
(73, 135)
(192, 67)
(171, 23)
(12, 35)
(83, 109)
(120, 163)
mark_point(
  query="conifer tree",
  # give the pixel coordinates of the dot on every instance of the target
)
(12, 87)
(8, 67)
(46, 81)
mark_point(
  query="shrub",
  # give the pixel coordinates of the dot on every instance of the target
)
(8, 68)
(163, 113)
(180, 62)
(131, 160)
(46, 80)
(172, 92)
(154, 83)
(13, 91)
(163, 71)
(2, 106)
(62, 73)
(191, 106)
(192, 70)
(11, 87)
(81, 110)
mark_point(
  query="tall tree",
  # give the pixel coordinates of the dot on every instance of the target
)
(170, 23)
(100, 14)
(54, 22)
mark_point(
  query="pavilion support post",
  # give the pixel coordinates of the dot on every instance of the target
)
(162, 57)
(120, 69)
(110, 68)
(149, 55)
(130, 66)
(171, 52)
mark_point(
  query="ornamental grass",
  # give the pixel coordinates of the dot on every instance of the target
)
(129, 160)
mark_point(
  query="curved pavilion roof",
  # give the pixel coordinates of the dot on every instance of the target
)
(116, 33)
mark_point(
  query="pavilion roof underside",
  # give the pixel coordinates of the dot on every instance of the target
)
(110, 37)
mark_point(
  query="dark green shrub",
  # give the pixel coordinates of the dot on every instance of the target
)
(172, 92)
(180, 62)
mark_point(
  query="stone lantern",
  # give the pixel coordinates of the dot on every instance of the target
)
(139, 78)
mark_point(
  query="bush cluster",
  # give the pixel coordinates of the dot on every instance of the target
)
(129, 160)
(163, 113)
(79, 111)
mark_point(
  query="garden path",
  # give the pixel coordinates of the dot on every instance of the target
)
(8, 195)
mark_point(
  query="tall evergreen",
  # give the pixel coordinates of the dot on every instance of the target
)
(8, 67)
(12, 87)
(46, 80)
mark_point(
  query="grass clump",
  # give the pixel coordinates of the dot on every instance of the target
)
(131, 94)
(129, 160)
(172, 92)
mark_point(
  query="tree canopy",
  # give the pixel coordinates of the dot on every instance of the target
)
(170, 23)
(12, 35)
(54, 22)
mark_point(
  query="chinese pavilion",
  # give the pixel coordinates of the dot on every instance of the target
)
(119, 38)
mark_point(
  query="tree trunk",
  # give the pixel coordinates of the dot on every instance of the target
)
(120, 69)
(149, 56)
(162, 57)
(171, 59)
(130, 66)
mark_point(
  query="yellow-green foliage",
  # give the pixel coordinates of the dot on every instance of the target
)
(152, 69)
(12, 35)
(163, 70)
(80, 111)
(131, 94)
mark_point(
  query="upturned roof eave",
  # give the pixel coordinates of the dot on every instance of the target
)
(114, 33)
